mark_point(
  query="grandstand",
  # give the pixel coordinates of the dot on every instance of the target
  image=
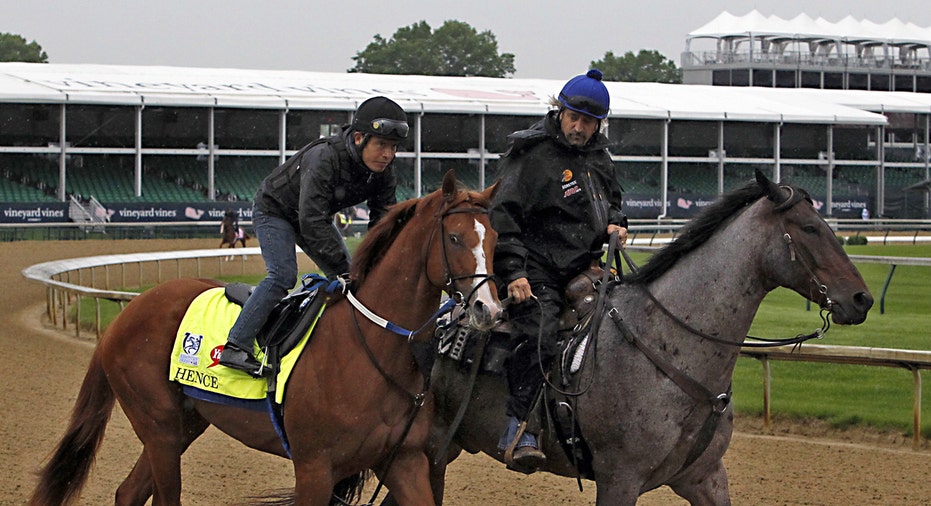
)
(184, 144)
(804, 52)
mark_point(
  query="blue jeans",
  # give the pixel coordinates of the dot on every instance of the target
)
(277, 239)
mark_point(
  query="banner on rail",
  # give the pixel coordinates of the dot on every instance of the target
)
(636, 206)
(15, 212)
(681, 205)
(148, 212)
(57, 212)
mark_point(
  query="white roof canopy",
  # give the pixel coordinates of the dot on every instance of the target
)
(803, 27)
(204, 87)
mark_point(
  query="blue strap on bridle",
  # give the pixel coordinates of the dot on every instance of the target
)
(387, 325)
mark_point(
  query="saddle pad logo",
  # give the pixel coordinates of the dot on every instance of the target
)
(190, 346)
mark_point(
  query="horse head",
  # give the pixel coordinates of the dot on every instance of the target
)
(466, 244)
(813, 263)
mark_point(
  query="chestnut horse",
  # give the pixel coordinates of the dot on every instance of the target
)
(651, 398)
(352, 394)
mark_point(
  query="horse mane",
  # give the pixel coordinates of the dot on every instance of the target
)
(381, 236)
(697, 232)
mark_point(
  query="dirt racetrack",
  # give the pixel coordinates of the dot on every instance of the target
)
(792, 465)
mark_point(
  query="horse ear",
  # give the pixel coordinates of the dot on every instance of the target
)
(489, 193)
(772, 190)
(449, 185)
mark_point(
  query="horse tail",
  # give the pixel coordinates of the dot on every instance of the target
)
(349, 490)
(63, 477)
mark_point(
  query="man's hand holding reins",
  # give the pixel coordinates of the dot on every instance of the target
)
(621, 234)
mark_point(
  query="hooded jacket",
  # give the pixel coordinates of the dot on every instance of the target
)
(324, 177)
(554, 203)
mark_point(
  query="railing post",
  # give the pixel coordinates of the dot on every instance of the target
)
(882, 298)
(97, 317)
(767, 420)
(916, 437)
(77, 315)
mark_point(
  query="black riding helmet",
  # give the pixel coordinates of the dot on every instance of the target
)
(383, 117)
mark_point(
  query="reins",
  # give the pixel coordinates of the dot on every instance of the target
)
(417, 399)
(794, 255)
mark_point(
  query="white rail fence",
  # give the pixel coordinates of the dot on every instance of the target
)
(69, 281)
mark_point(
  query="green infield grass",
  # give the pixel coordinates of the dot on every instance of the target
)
(841, 395)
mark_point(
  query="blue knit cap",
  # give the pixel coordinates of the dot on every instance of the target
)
(586, 94)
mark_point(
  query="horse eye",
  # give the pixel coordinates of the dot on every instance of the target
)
(453, 239)
(809, 229)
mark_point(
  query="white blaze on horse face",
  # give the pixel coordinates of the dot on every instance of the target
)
(481, 268)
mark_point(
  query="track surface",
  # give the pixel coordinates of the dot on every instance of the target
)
(791, 465)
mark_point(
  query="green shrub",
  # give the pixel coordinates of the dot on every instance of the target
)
(857, 240)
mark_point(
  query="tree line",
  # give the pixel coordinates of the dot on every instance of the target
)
(453, 49)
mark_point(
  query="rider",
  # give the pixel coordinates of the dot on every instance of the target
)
(295, 204)
(556, 206)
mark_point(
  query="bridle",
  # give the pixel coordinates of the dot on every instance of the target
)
(718, 402)
(423, 352)
(451, 279)
(795, 254)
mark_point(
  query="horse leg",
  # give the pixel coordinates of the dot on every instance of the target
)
(614, 489)
(706, 488)
(313, 483)
(155, 411)
(409, 479)
(137, 487)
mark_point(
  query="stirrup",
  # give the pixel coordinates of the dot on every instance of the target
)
(246, 363)
(534, 457)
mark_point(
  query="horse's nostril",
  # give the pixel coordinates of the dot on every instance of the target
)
(863, 299)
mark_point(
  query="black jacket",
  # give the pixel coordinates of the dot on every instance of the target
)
(321, 179)
(554, 204)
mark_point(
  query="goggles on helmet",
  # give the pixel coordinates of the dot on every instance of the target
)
(584, 105)
(388, 128)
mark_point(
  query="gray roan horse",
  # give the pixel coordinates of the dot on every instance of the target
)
(651, 398)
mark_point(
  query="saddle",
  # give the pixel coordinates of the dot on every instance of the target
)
(487, 353)
(456, 340)
(292, 316)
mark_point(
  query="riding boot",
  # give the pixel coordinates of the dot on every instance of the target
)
(240, 359)
(522, 452)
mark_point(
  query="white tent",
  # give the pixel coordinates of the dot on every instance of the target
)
(755, 24)
(202, 87)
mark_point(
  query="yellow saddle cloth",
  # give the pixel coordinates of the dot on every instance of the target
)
(196, 353)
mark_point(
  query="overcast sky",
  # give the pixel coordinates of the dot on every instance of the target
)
(550, 39)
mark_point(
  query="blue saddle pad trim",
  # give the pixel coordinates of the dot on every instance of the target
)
(203, 395)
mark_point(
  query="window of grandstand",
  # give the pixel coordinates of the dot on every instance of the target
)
(174, 127)
(98, 126)
(246, 128)
(636, 137)
(853, 143)
(306, 126)
(28, 124)
(497, 128)
(804, 141)
(450, 133)
(748, 140)
(879, 82)
(692, 138)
